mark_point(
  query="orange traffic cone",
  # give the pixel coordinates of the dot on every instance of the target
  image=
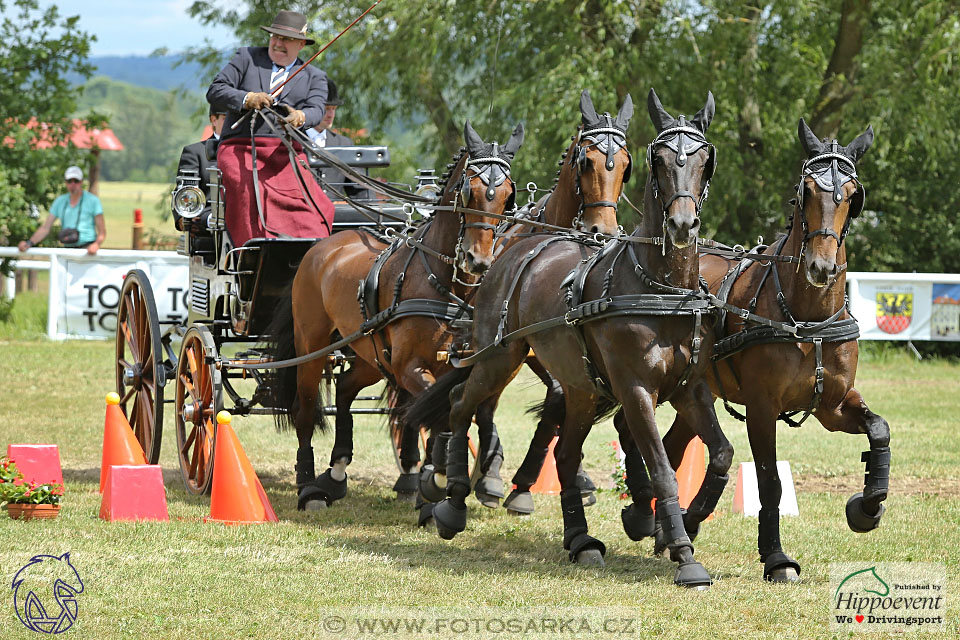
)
(547, 481)
(120, 445)
(691, 473)
(237, 496)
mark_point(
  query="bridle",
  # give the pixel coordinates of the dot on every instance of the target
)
(830, 171)
(683, 140)
(492, 171)
(608, 139)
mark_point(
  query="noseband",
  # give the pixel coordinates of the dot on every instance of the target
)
(608, 139)
(683, 140)
(830, 171)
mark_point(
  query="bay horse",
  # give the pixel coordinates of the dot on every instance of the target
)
(410, 290)
(593, 170)
(602, 352)
(808, 361)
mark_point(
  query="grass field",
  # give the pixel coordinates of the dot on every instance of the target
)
(364, 557)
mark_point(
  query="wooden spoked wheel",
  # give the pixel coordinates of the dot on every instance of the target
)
(140, 372)
(199, 398)
(395, 435)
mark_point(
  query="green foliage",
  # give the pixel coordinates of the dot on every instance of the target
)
(38, 48)
(14, 490)
(153, 126)
(499, 61)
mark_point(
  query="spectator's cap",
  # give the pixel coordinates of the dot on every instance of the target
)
(290, 24)
(73, 173)
(333, 96)
(218, 110)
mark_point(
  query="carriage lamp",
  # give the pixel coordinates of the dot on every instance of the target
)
(188, 201)
(427, 187)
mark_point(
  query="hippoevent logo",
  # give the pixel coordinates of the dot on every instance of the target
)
(906, 596)
(45, 594)
(894, 311)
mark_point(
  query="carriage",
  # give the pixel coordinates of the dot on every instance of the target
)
(232, 294)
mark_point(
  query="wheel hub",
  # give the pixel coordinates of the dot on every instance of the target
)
(132, 377)
(189, 412)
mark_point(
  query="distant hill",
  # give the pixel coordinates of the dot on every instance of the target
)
(153, 72)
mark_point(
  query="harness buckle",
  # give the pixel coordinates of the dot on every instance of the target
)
(744, 314)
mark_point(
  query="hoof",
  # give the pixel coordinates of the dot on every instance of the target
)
(425, 517)
(315, 505)
(406, 487)
(692, 575)
(779, 567)
(489, 491)
(589, 558)
(636, 524)
(784, 574)
(429, 489)
(519, 503)
(588, 498)
(857, 519)
(407, 498)
(450, 520)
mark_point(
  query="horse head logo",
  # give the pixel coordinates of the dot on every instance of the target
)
(45, 593)
(867, 580)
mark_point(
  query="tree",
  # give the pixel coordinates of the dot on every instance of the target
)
(430, 66)
(38, 49)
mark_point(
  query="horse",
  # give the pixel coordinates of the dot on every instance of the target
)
(426, 278)
(636, 341)
(791, 347)
(593, 170)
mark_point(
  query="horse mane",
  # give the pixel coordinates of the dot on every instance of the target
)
(563, 157)
(448, 174)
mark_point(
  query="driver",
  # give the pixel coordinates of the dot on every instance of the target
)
(290, 201)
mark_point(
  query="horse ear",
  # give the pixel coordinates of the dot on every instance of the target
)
(661, 119)
(705, 116)
(860, 144)
(808, 139)
(474, 141)
(510, 149)
(625, 113)
(587, 112)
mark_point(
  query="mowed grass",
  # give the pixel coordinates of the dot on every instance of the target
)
(119, 200)
(364, 557)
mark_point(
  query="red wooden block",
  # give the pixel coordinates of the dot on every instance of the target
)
(134, 492)
(39, 463)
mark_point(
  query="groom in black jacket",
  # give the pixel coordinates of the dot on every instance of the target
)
(198, 158)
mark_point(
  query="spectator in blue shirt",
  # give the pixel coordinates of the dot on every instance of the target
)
(77, 210)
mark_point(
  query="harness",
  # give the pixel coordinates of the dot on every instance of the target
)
(830, 171)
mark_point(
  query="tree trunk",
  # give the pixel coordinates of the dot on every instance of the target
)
(750, 128)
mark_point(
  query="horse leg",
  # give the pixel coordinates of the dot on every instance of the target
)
(487, 380)
(639, 406)
(489, 488)
(305, 411)
(331, 485)
(762, 431)
(584, 549)
(409, 453)
(864, 509)
(637, 518)
(694, 405)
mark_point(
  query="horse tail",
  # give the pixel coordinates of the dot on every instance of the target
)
(431, 409)
(554, 409)
(282, 383)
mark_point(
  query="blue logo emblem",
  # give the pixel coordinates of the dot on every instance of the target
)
(45, 594)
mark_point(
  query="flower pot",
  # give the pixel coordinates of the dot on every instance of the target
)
(30, 511)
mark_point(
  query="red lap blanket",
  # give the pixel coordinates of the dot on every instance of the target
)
(286, 209)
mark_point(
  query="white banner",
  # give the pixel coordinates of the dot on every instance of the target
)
(906, 306)
(85, 290)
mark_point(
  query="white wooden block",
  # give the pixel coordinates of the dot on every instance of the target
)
(746, 498)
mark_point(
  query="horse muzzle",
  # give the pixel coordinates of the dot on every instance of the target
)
(683, 229)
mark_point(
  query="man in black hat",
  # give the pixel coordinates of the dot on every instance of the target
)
(198, 158)
(255, 79)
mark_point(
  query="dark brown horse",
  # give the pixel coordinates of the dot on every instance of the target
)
(622, 325)
(593, 170)
(809, 363)
(412, 289)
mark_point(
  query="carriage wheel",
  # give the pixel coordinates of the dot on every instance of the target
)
(199, 398)
(395, 435)
(140, 372)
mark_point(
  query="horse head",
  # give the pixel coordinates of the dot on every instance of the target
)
(680, 162)
(41, 583)
(599, 164)
(485, 185)
(829, 196)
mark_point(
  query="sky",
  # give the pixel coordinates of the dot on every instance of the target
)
(138, 27)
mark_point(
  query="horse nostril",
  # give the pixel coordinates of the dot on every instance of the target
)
(595, 229)
(695, 227)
